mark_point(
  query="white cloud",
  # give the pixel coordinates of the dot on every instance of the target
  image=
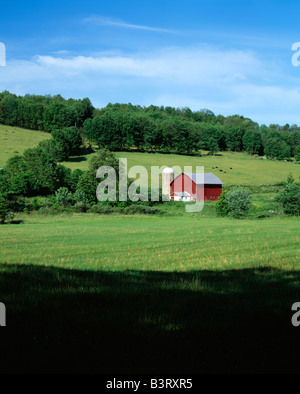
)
(192, 66)
(227, 82)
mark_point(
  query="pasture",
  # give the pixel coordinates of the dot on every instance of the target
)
(237, 168)
(14, 140)
(136, 294)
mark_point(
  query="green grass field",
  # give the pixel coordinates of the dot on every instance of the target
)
(14, 140)
(87, 241)
(177, 293)
(136, 294)
(246, 170)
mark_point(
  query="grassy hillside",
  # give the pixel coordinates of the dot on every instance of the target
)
(14, 140)
(246, 170)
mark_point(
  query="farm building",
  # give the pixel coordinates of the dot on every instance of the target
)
(186, 187)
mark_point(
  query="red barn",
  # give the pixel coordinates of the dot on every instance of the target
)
(186, 187)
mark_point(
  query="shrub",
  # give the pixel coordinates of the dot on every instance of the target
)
(74, 179)
(289, 199)
(35, 205)
(81, 207)
(141, 209)
(239, 202)
(63, 196)
(47, 210)
(88, 181)
(222, 207)
(265, 214)
(4, 209)
(80, 197)
(101, 209)
(10, 216)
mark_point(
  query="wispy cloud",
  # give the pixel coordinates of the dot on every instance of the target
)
(62, 52)
(192, 66)
(106, 21)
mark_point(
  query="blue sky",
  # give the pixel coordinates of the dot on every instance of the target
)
(232, 57)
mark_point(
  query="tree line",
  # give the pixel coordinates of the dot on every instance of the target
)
(171, 130)
(44, 113)
(153, 128)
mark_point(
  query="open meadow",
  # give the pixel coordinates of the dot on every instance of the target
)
(237, 168)
(179, 243)
(14, 140)
(109, 294)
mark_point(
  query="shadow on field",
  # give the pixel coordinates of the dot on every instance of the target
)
(16, 222)
(76, 159)
(61, 320)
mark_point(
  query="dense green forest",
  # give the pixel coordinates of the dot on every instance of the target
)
(153, 128)
(167, 129)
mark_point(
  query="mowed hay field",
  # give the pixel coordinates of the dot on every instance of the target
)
(112, 294)
(183, 243)
(14, 140)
